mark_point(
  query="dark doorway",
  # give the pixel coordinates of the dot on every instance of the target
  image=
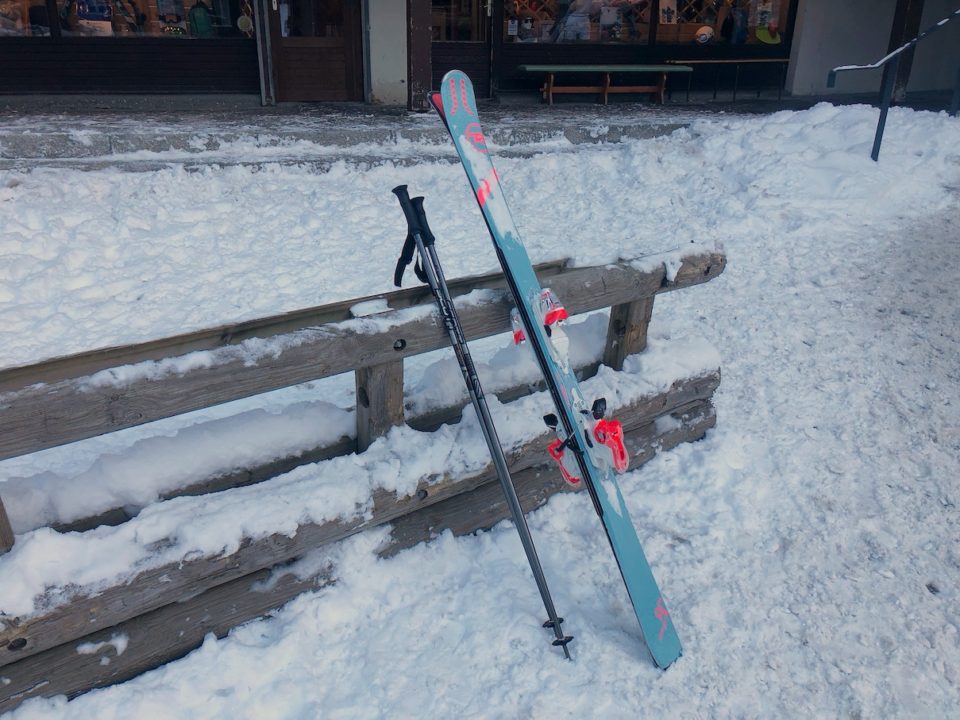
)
(461, 40)
(316, 50)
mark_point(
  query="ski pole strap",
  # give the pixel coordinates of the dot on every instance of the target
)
(413, 210)
(406, 256)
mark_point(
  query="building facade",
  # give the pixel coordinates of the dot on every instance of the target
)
(394, 51)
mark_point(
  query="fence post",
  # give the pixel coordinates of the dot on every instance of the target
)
(6, 532)
(627, 331)
(379, 401)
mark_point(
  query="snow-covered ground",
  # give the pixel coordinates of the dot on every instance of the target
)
(808, 547)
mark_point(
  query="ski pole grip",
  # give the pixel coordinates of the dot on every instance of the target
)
(425, 234)
(413, 219)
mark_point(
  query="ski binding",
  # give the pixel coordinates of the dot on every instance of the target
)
(609, 450)
(553, 316)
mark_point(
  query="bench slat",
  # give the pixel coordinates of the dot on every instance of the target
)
(603, 68)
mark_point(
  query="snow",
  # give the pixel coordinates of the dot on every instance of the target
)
(216, 523)
(807, 547)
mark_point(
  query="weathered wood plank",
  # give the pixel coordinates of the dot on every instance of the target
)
(484, 506)
(432, 419)
(174, 630)
(240, 477)
(151, 589)
(6, 532)
(379, 401)
(92, 361)
(627, 331)
(151, 639)
(42, 416)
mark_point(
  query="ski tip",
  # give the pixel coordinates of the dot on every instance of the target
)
(454, 75)
(436, 99)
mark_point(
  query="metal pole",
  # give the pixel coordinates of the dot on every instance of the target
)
(889, 79)
(955, 104)
(416, 220)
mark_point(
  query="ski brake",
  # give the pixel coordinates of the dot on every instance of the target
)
(609, 449)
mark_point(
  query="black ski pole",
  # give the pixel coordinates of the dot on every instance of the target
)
(419, 236)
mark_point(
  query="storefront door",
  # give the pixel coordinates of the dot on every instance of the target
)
(316, 50)
(461, 39)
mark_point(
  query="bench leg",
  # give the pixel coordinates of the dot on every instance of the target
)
(548, 89)
(661, 87)
(605, 91)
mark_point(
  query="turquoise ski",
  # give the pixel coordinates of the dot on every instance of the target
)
(457, 106)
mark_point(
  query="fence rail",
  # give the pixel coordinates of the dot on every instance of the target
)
(166, 609)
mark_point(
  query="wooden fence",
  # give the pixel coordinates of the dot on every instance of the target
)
(164, 612)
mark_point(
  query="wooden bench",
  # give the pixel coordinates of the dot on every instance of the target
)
(736, 62)
(550, 86)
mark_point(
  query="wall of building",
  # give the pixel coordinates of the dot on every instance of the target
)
(830, 33)
(386, 51)
(937, 59)
(856, 32)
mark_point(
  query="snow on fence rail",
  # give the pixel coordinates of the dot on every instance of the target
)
(176, 592)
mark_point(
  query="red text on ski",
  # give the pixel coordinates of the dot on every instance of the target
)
(474, 134)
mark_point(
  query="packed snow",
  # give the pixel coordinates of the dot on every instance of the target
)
(807, 547)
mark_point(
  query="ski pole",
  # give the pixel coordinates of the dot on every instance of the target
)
(419, 235)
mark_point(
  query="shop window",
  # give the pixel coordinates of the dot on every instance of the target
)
(24, 17)
(702, 22)
(186, 19)
(561, 21)
(736, 22)
(311, 18)
(464, 20)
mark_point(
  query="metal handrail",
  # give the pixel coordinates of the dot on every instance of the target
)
(889, 77)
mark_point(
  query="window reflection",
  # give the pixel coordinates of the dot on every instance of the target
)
(628, 21)
(311, 18)
(158, 18)
(24, 17)
(562, 21)
(734, 22)
(463, 20)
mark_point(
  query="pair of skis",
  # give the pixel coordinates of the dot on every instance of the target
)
(588, 448)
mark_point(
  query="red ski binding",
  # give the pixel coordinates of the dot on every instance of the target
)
(552, 313)
(519, 336)
(557, 450)
(610, 433)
